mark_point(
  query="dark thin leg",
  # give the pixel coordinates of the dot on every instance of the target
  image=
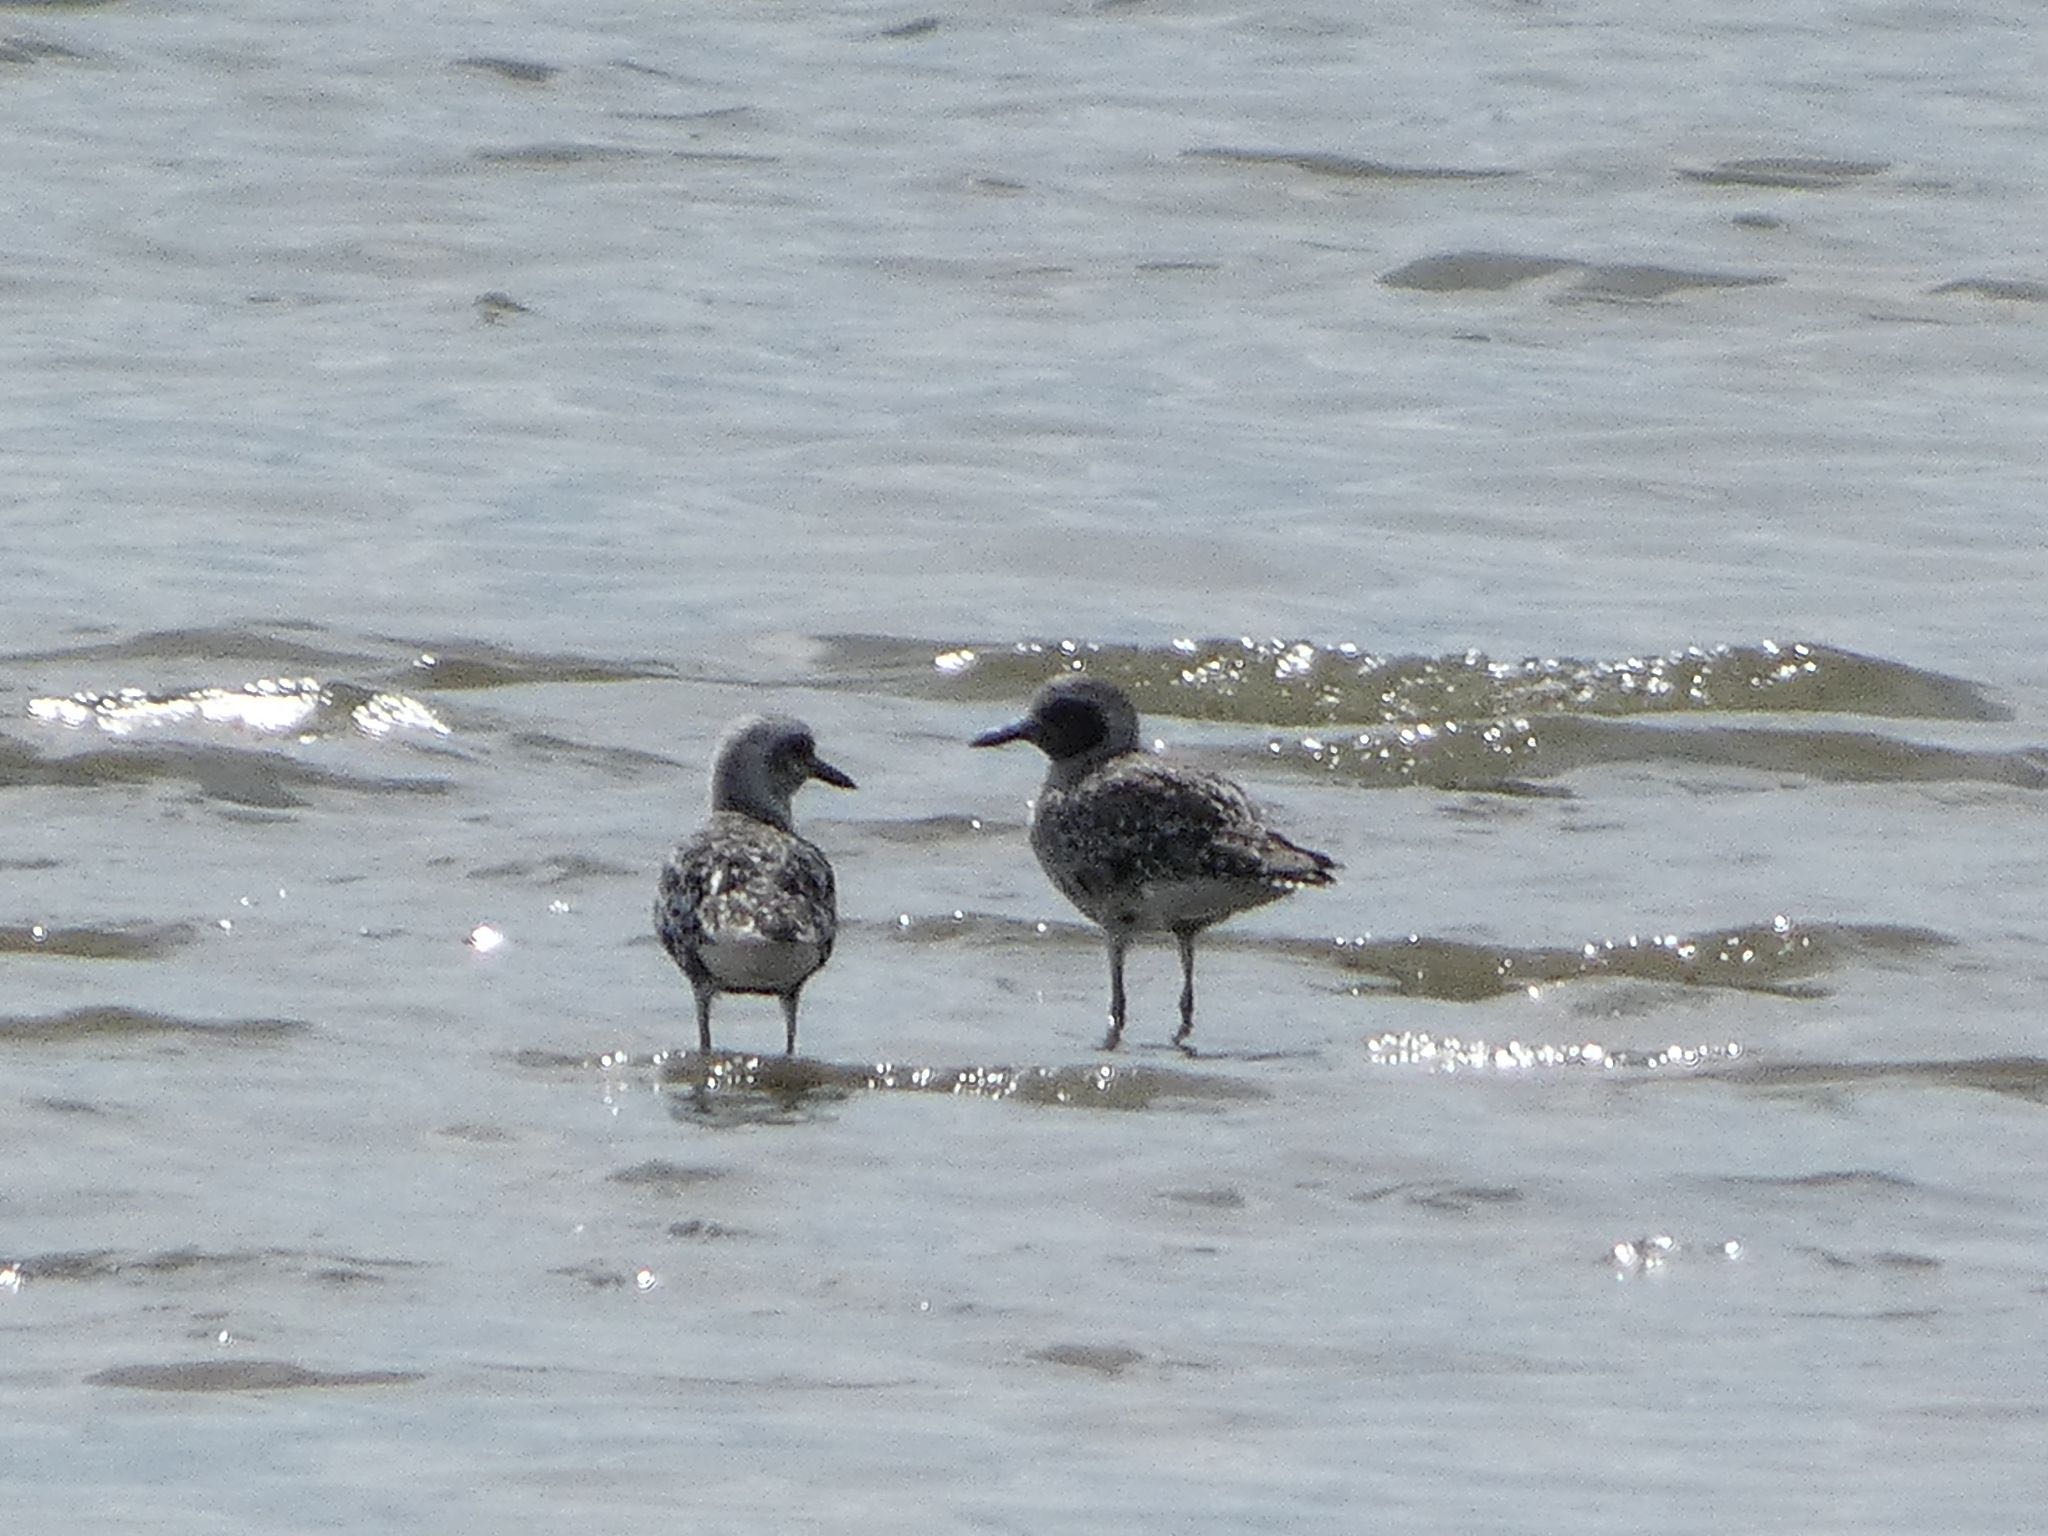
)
(789, 1022)
(704, 996)
(1118, 943)
(1185, 938)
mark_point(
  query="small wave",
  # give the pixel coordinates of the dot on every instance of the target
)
(931, 831)
(280, 646)
(560, 155)
(1318, 162)
(241, 1376)
(302, 707)
(1472, 722)
(624, 763)
(1105, 1086)
(1779, 955)
(494, 306)
(1506, 753)
(921, 26)
(1473, 272)
(986, 928)
(2020, 1077)
(116, 1023)
(1454, 1054)
(1804, 172)
(297, 650)
(20, 48)
(96, 1264)
(519, 71)
(659, 1176)
(789, 1081)
(1493, 271)
(1304, 683)
(1449, 1199)
(1646, 1257)
(1854, 1180)
(261, 780)
(1615, 281)
(472, 666)
(1108, 1361)
(2009, 290)
(1889, 1261)
(147, 942)
(555, 869)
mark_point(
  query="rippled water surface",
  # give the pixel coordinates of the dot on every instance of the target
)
(1614, 437)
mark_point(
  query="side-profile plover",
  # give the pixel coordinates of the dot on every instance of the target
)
(746, 905)
(1141, 844)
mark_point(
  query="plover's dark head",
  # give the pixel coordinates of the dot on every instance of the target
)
(1074, 720)
(761, 762)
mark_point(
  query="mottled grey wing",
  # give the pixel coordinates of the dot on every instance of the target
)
(797, 899)
(680, 900)
(1141, 823)
(743, 877)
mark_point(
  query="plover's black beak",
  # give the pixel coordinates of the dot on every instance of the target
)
(820, 769)
(1016, 730)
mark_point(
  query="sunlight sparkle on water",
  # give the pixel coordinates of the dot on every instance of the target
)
(270, 706)
(1449, 1053)
(1296, 661)
(383, 713)
(1635, 1258)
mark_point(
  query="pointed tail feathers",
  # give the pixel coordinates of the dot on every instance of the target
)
(1297, 865)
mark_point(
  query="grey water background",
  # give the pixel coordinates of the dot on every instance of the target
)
(1615, 432)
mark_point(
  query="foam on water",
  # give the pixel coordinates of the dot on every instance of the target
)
(301, 707)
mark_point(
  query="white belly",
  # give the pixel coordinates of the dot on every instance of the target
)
(746, 963)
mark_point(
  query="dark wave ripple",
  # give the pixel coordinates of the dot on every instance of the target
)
(117, 1023)
(1303, 683)
(145, 942)
(1777, 955)
(1503, 753)
(1469, 721)
(261, 780)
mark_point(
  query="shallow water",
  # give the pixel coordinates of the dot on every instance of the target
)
(1618, 442)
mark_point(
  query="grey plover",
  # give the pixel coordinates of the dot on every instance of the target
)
(1141, 844)
(746, 905)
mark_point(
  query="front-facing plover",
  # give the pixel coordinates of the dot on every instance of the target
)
(1141, 844)
(746, 905)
